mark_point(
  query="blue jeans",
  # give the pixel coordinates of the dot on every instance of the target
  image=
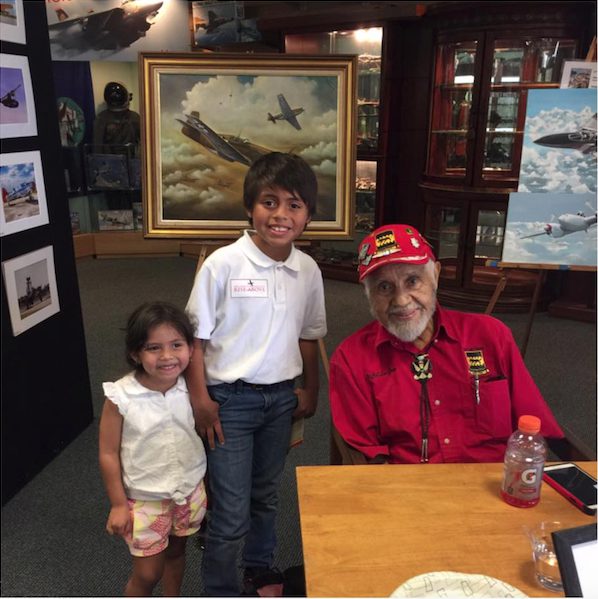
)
(244, 474)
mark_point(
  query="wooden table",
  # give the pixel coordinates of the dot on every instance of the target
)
(367, 529)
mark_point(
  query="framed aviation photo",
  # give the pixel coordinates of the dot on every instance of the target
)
(12, 22)
(17, 107)
(207, 118)
(24, 203)
(31, 292)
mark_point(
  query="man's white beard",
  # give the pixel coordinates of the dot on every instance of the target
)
(409, 331)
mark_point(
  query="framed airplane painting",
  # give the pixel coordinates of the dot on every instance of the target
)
(207, 118)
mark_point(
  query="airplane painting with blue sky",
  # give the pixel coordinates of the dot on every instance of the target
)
(559, 144)
(551, 229)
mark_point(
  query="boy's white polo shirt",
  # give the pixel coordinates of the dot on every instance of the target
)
(253, 310)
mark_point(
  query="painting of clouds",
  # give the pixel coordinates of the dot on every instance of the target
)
(213, 127)
(551, 229)
(559, 144)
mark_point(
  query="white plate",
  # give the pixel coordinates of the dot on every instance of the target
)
(455, 584)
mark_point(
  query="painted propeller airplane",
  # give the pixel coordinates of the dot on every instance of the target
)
(229, 147)
(583, 140)
(286, 113)
(9, 100)
(105, 29)
(567, 224)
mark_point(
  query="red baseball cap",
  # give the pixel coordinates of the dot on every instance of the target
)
(389, 244)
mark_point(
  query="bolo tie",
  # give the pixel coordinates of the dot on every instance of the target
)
(422, 369)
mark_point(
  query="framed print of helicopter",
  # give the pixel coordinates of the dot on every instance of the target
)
(207, 118)
(17, 107)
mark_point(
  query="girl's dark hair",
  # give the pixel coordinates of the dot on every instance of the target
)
(288, 171)
(146, 317)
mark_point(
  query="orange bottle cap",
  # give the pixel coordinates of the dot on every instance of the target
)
(529, 424)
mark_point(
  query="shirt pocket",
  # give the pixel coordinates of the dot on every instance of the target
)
(493, 412)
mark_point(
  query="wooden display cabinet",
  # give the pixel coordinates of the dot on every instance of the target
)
(337, 259)
(484, 66)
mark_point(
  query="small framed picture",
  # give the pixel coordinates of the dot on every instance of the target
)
(24, 203)
(12, 21)
(578, 74)
(17, 106)
(31, 292)
(115, 220)
(576, 549)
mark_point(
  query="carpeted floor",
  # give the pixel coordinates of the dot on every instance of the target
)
(53, 539)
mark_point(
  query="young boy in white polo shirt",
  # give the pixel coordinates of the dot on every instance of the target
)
(259, 304)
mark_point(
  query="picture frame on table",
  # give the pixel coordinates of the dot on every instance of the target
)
(579, 74)
(13, 22)
(24, 203)
(206, 118)
(31, 291)
(17, 108)
(575, 549)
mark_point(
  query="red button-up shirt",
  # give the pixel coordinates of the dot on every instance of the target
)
(375, 399)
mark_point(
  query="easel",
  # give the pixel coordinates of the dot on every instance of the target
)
(541, 279)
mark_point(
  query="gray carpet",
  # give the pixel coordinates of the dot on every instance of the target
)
(53, 539)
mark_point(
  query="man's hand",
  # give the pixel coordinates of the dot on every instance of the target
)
(207, 422)
(119, 521)
(307, 402)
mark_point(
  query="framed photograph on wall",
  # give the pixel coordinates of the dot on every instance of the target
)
(207, 118)
(31, 292)
(17, 106)
(23, 193)
(578, 74)
(12, 22)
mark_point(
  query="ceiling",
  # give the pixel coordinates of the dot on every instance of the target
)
(309, 13)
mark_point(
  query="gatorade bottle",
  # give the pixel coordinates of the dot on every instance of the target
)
(524, 464)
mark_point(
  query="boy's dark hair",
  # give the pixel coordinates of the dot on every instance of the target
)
(288, 171)
(145, 318)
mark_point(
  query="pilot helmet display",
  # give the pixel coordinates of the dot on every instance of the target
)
(116, 96)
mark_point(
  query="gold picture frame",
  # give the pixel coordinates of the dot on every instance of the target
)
(207, 118)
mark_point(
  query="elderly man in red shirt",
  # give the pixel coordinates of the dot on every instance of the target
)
(423, 384)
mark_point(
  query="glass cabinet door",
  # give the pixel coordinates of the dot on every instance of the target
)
(367, 44)
(517, 66)
(444, 229)
(453, 88)
(479, 103)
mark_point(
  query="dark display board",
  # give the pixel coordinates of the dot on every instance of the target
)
(46, 396)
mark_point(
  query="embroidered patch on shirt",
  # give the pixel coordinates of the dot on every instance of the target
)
(475, 359)
(249, 288)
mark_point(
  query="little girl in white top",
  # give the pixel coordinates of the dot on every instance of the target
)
(152, 460)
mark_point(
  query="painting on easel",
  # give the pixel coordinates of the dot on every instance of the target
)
(557, 229)
(559, 143)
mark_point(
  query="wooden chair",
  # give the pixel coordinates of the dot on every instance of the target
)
(341, 453)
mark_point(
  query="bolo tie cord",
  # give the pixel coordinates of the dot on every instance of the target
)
(422, 368)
